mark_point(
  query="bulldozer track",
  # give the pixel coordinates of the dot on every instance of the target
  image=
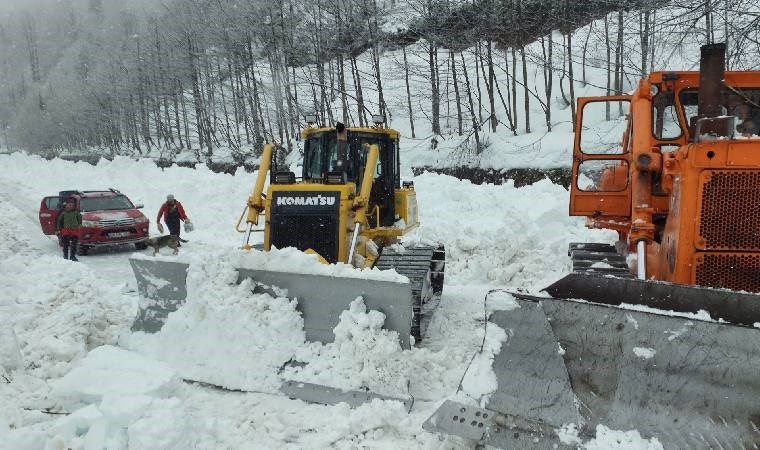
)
(424, 266)
(594, 257)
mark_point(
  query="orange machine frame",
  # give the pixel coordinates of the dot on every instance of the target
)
(660, 204)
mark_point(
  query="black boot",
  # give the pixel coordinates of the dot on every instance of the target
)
(73, 252)
(65, 253)
(65, 243)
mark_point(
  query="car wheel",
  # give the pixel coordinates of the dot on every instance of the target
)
(141, 245)
(84, 250)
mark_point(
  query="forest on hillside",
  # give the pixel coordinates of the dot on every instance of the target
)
(212, 79)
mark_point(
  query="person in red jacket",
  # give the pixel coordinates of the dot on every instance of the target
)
(172, 212)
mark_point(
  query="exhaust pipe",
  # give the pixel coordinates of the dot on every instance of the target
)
(712, 63)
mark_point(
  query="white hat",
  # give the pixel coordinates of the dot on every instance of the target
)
(169, 197)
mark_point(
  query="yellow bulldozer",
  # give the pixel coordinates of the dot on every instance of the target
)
(348, 206)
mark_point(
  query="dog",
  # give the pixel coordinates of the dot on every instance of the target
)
(163, 241)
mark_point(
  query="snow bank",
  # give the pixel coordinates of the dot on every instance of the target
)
(109, 370)
(60, 311)
(125, 401)
(295, 261)
(607, 439)
(365, 356)
(499, 234)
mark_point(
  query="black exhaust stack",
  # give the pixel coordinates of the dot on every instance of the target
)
(711, 122)
(712, 63)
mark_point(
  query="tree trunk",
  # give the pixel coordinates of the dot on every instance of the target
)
(409, 95)
(514, 89)
(609, 66)
(457, 99)
(359, 94)
(526, 90)
(475, 123)
(491, 80)
(434, 94)
(644, 38)
(570, 75)
(548, 79)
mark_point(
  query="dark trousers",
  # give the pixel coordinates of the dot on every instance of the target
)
(69, 246)
(173, 224)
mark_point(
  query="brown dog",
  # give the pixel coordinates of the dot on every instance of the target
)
(163, 241)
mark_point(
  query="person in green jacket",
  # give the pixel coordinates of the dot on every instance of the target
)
(68, 225)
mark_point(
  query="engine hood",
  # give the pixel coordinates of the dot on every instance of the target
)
(111, 215)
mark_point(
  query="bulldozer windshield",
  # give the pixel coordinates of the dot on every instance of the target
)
(322, 153)
(743, 103)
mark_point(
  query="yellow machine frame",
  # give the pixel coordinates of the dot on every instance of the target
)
(358, 235)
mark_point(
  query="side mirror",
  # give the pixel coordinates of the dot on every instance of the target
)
(139, 206)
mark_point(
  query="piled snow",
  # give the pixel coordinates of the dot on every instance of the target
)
(125, 401)
(225, 334)
(93, 379)
(499, 234)
(366, 356)
(60, 316)
(607, 439)
(644, 353)
(294, 261)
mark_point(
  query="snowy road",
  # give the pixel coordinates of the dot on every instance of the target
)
(76, 317)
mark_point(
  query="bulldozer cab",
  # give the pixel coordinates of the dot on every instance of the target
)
(334, 156)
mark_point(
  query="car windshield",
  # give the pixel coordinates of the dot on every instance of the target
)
(105, 203)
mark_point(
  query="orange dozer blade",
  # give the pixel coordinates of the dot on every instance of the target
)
(739, 308)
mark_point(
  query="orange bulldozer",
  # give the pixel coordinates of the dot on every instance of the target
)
(659, 332)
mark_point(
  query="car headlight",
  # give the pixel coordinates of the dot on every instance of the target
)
(141, 219)
(90, 223)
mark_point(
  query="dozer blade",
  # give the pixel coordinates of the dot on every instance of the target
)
(687, 383)
(321, 299)
(162, 287)
(734, 307)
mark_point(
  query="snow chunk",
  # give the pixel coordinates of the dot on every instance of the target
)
(158, 427)
(295, 261)
(607, 439)
(601, 265)
(630, 319)
(112, 370)
(644, 353)
(568, 434)
(364, 355)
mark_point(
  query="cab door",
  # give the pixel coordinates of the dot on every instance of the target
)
(600, 182)
(49, 214)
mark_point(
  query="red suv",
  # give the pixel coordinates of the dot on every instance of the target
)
(108, 218)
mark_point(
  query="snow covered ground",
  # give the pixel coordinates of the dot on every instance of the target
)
(73, 375)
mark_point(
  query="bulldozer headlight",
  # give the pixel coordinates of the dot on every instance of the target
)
(284, 178)
(378, 119)
(336, 178)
